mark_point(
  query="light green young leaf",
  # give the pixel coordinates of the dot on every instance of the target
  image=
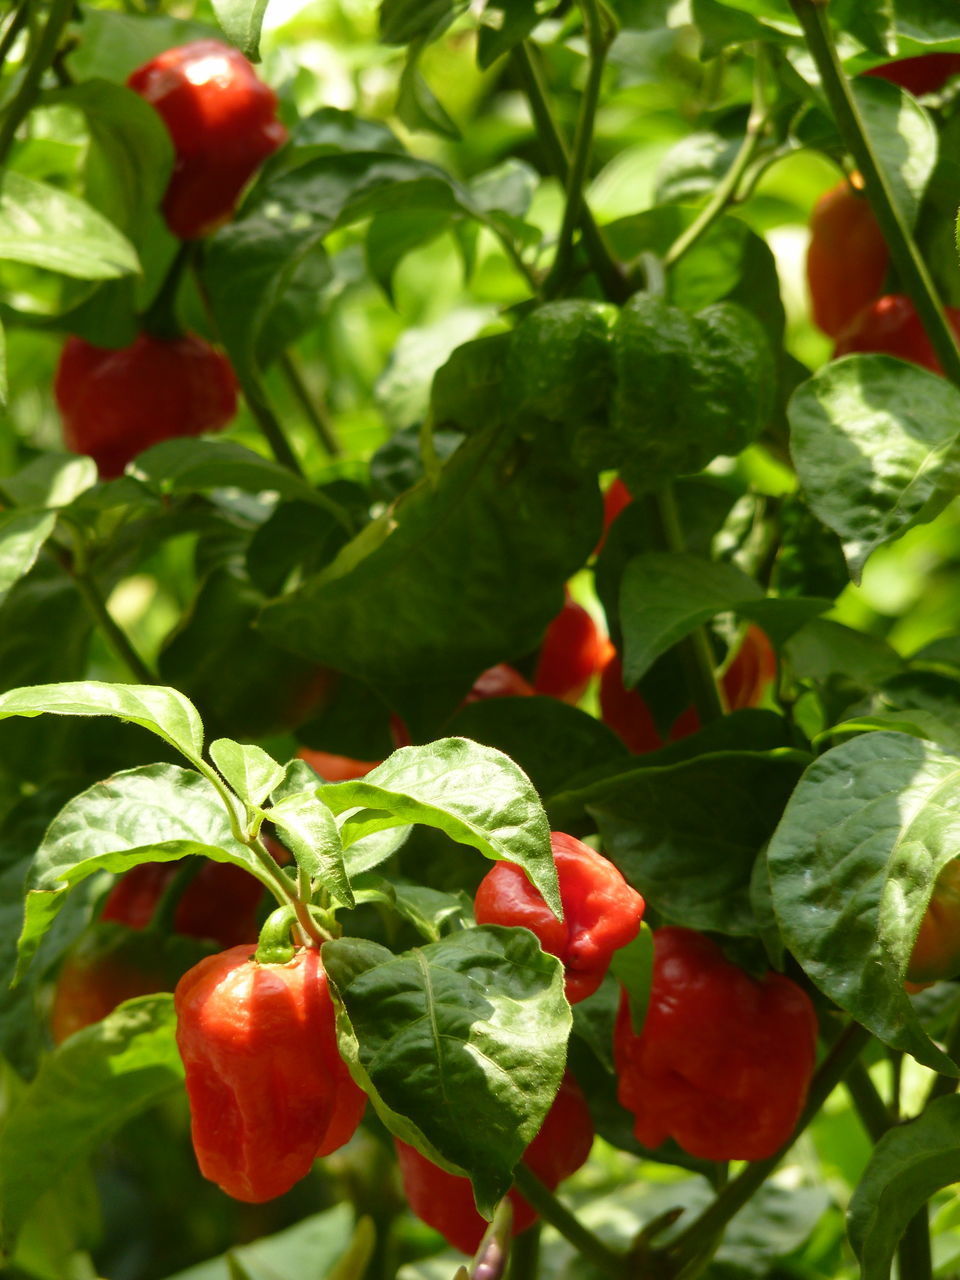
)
(241, 21)
(22, 534)
(51, 480)
(477, 795)
(250, 770)
(461, 1044)
(309, 829)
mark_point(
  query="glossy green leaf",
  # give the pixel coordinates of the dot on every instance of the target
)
(904, 138)
(417, 105)
(431, 912)
(309, 830)
(908, 1165)
(51, 480)
(130, 1057)
(157, 813)
(52, 229)
(466, 389)
(504, 23)
(852, 867)
(477, 795)
(873, 440)
(632, 966)
(823, 648)
(4, 380)
(461, 1044)
(311, 1247)
(250, 770)
(197, 466)
(164, 712)
(22, 535)
(404, 20)
(559, 363)
(241, 21)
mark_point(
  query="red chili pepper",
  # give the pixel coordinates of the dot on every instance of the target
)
(334, 768)
(615, 499)
(269, 1092)
(924, 74)
(220, 902)
(890, 326)
(573, 650)
(116, 403)
(724, 1060)
(104, 968)
(445, 1202)
(936, 952)
(601, 911)
(223, 122)
(847, 258)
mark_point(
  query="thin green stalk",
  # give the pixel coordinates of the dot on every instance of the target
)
(267, 421)
(314, 414)
(286, 893)
(552, 1210)
(608, 271)
(114, 634)
(699, 1235)
(914, 1260)
(40, 60)
(525, 1255)
(911, 268)
(598, 42)
(868, 1104)
(726, 190)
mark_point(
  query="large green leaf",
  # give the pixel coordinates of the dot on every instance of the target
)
(241, 21)
(476, 794)
(22, 535)
(852, 866)
(398, 610)
(164, 712)
(85, 1091)
(461, 1044)
(157, 813)
(198, 466)
(873, 440)
(310, 1248)
(45, 227)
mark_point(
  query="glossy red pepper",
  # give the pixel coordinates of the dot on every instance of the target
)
(926, 73)
(334, 768)
(268, 1090)
(601, 911)
(847, 258)
(936, 952)
(574, 649)
(116, 403)
(616, 497)
(219, 903)
(223, 122)
(723, 1062)
(890, 326)
(445, 1201)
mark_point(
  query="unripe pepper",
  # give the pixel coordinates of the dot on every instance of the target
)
(723, 1062)
(847, 258)
(268, 1090)
(116, 403)
(445, 1202)
(891, 327)
(601, 911)
(936, 952)
(223, 122)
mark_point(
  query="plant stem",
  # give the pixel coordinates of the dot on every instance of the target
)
(316, 416)
(910, 266)
(698, 1235)
(608, 271)
(914, 1260)
(726, 190)
(525, 1255)
(552, 1210)
(867, 1102)
(598, 43)
(267, 422)
(115, 635)
(43, 55)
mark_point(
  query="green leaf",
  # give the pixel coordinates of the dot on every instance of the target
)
(431, 912)
(417, 105)
(309, 830)
(51, 480)
(559, 363)
(904, 138)
(477, 795)
(22, 535)
(85, 1091)
(4, 382)
(250, 770)
(852, 867)
(503, 24)
(873, 440)
(908, 1165)
(162, 711)
(310, 1248)
(823, 648)
(402, 21)
(49, 228)
(156, 813)
(466, 390)
(199, 466)
(632, 966)
(461, 1044)
(241, 21)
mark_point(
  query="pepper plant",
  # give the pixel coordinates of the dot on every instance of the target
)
(479, 639)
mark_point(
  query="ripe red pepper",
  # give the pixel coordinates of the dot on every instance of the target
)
(116, 403)
(573, 651)
(104, 968)
(268, 1090)
(936, 952)
(616, 497)
(444, 1201)
(723, 1062)
(220, 902)
(890, 326)
(601, 911)
(924, 74)
(744, 684)
(334, 768)
(223, 122)
(847, 258)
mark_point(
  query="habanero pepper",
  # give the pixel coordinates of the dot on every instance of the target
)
(925, 73)
(223, 122)
(891, 327)
(847, 258)
(268, 1090)
(601, 911)
(936, 951)
(724, 1060)
(445, 1202)
(572, 652)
